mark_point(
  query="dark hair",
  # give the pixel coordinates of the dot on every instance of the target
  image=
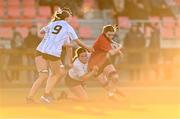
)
(108, 28)
(78, 52)
(66, 12)
(63, 15)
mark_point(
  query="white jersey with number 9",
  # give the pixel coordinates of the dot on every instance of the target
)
(57, 34)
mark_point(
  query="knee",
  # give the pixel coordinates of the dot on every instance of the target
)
(43, 76)
(102, 79)
(114, 77)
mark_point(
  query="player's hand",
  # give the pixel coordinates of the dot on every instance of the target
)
(69, 66)
(95, 70)
(112, 52)
(90, 49)
(120, 47)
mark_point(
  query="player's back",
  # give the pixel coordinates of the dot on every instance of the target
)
(57, 30)
(56, 35)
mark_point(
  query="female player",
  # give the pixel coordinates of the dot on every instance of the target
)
(77, 75)
(57, 33)
(101, 57)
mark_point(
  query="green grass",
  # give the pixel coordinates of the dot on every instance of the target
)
(142, 102)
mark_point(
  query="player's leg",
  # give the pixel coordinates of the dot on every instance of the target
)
(77, 89)
(106, 84)
(113, 78)
(56, 73)
(42, 67)
(108, 79)
(79, 93)
(102, 79)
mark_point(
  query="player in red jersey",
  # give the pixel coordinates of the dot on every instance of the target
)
(101, 57)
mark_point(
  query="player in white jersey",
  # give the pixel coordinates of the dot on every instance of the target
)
(58, 33)
(77, 75)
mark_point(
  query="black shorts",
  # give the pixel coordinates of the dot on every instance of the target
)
(47, 56)
(70, 82)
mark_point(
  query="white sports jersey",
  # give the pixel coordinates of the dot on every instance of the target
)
(57, 34)
(78, 70)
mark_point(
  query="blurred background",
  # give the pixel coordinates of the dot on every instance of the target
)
(149, 31)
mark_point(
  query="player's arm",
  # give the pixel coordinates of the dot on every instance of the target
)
(113, 52)
(74, 37)
(69, 51)
(44, 29)
(90, 74)
(81, 44)
(118, 50)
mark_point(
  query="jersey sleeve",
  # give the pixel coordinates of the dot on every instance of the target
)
(72, 34)
(46, 28)
(67, 41)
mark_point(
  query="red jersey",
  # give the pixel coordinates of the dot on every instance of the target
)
(101, 46)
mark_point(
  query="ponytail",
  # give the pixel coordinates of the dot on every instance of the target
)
(61, 14)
